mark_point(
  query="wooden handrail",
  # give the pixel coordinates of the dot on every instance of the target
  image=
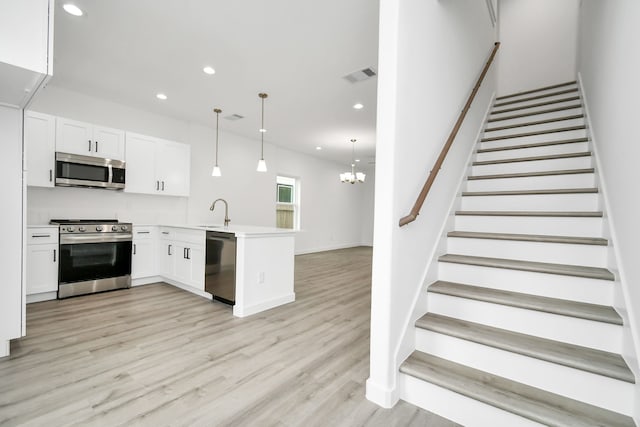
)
(415, 211)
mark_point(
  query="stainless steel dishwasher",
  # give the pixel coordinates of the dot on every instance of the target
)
(220, 267)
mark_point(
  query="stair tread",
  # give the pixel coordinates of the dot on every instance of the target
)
(540, 89)
(597, 241)
(530, 174)
(581, 310)
(539, 132)
(532, 158)
(531, 192)
(536, 122)
(535, 113)
(539, 104)
(587, 359)
(533, 98)
(520, 399)
(576, 214)
(533, 145)
(531, 266)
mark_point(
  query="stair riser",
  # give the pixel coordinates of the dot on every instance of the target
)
(583, 162)
(539, 93)
(495, 113)
(580, 289)
(550, 182)
(549, 150)
(545, 202)
(456, 407)
(582, 332)
(569, 382)
(533, 128)
(558, 253)
(535, 117)
(555, 136)
(551, 226)
(521, 101)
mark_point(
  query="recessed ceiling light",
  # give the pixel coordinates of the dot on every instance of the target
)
(357, 160)
(161, 96)
(72, 9)
(318, 148)
(358, 106)
(262, 130)
(209, 70)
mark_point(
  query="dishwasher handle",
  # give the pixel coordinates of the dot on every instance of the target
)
(216, 235)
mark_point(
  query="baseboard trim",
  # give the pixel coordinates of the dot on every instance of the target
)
(141, 281)
(381, 396)
(43, 296)
(331, 248)
(239, 311)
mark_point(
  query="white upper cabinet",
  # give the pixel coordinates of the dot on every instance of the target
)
(40, 147)
(88, 140)
(156, 166)
(26, 49)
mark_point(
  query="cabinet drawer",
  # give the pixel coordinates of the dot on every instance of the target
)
(185, 235)
(42, 236)
(144, 233)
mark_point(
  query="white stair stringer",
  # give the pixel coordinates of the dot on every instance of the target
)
(519, 328)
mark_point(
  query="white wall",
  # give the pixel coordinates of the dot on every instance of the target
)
(12, 223)
(539, 43)
(609, 66)
(331, 212)
(430, 56)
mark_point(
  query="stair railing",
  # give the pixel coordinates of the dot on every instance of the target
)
(415, 211)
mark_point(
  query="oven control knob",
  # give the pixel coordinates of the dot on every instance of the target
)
(114, 228)
(99, 228)
(71, 229)
(82, 229)
(123, 228)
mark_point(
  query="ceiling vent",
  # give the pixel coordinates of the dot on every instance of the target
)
(361, 75)
(233, 117)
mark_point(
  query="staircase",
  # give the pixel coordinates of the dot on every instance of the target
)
(519, 328)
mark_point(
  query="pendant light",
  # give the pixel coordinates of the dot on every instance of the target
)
(262, 165)
(353, 176)
(216, 169)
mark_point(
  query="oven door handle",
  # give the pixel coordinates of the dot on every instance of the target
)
(66, 239)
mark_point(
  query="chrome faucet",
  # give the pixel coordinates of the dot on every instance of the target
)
(226, 210)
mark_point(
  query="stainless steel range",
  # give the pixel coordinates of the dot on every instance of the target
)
(95, 256)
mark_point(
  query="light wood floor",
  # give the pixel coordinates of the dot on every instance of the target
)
(156, 355)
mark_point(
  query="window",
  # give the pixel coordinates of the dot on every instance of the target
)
(286, 202)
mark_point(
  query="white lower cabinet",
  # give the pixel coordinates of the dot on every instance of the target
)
(144, 253)
(42, 260)
(182, 256)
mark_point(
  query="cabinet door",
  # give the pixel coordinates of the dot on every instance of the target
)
(74, 137)
(143, 259)
(42, 268)
(140, 157)
(169, 256)
(197, 260)
(40, 147)
(183, 265)
(173, 168)
(108, 143)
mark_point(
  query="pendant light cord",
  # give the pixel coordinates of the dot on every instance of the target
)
(262, 132)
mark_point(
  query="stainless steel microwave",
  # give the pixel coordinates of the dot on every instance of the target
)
(73, 170)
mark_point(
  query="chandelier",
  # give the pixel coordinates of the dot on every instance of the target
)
(353, 176)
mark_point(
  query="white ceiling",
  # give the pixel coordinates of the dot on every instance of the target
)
(295, 50)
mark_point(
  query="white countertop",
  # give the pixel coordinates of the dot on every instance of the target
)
(238, 230)
(42, 226)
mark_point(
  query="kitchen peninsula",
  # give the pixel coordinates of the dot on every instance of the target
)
(176, 254)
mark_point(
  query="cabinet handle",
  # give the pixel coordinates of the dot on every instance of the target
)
(41, 235)
(143, 232)
(134, 248)
(188, 253)
(184, 253)
(168, 249)
(89, 145)
(162, 185)
(50, 175)
(157, 185)
(165, 232)
(96, 146)
(54, 255)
